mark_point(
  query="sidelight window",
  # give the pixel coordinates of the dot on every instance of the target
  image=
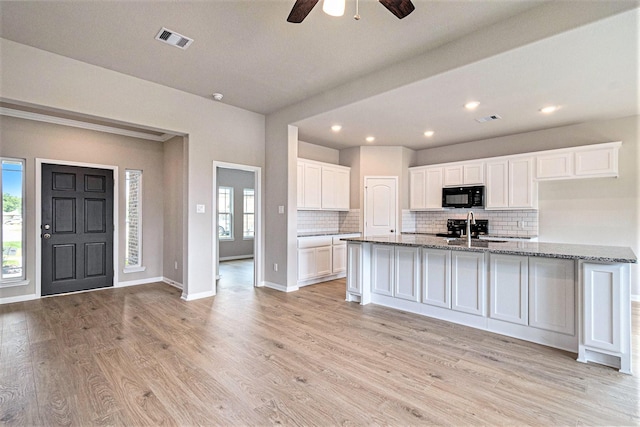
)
(225, 213)
(248, 219)
(133, 221)
(12, 234)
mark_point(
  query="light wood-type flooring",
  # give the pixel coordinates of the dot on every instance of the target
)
(141, 356)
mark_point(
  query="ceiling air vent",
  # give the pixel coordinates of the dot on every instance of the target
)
(174, 39)
(488, 118)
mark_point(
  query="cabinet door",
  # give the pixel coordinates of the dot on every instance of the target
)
(473, 173)
(552, 294)
(382, 274)
(468, 282)
(312, 186)
(300, 187)
(324, 256)
(339, 258)
(508, 288)
(433, 188)
(306, 263)
(522, 192)
(329, 185)
(436, 277)
(343, 187)
(354, 268)
(497, 188)
(417, 189)
(453, 175)
(603, 305)
(407, 273)
(554, 166)
(597, 162)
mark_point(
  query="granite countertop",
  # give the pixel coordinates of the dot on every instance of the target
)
(483, 236)
(325, 233)
(541, 249)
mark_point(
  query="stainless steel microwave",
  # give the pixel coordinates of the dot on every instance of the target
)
(463, 197)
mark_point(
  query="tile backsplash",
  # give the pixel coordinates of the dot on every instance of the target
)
(329, 221)
(518, 223)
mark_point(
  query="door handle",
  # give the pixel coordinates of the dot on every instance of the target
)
(46, 235)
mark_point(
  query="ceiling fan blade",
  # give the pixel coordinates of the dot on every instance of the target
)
(400, 8)
(300, 10)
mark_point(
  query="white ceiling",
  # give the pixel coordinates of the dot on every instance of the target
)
(246, 50)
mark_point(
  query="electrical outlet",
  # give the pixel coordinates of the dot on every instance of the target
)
(275, 267)
(520, 225)
(175, 265)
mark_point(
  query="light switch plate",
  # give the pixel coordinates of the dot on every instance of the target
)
(199, 208)
(280, 209)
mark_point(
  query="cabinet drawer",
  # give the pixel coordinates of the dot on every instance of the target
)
(314, 242)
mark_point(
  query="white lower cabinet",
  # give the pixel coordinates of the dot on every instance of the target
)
(606, 302)
(382, 275)
(552, 294)
(321, 258)
(407, 273)
(468, 284)
(509, 288)
(339, 258)
(314, 262)
(395, 271)
(354, 268)
(436, 277)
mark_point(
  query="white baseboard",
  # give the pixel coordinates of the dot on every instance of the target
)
(173, 283)
(635, 298)
(139, 282)
(279, 287)
(20, 298)
(232, 258)
(199, 295)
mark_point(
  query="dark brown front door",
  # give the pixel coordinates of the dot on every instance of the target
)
(76, 229)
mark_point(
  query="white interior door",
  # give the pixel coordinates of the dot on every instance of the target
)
(381, 206)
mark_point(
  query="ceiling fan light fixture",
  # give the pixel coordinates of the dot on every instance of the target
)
(333, 7)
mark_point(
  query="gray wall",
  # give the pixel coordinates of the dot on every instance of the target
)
(30, 140)
(174, 202)
(318, 153)
(238, 180)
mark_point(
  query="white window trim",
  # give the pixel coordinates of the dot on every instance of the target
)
(138, 267)
(230, 237)
(18, 281)
(244, 212)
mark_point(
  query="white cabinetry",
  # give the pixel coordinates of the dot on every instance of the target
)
(591, 161)
(354, 268)
(464, 174)
(509, 288)
(321, 258)
(552, 294)
(510, 184)
(395, 271)
(322, 186)
(436, 277)
(335, 188)
(425, 186)
(468, 282)
(606, 330)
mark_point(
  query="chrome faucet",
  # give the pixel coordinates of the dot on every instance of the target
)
(469, 222)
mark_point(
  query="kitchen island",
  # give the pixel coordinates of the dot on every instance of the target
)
(567, 296)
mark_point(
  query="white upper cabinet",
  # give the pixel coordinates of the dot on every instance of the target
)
(591, 161)
(322, 186)
(425, 186)
(510, 184)
(464, 174)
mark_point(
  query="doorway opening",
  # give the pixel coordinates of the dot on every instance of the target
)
(236, 226)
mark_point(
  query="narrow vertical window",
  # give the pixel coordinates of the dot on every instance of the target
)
(133, 221)
(248, 214)
(13, 229)
(225, 213)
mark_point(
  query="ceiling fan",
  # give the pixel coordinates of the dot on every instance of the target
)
(301, 8)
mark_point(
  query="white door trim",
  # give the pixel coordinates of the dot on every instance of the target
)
(364, 217)
(38, 231)
(258, 269)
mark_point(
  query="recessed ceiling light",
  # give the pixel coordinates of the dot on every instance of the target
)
(472, 105)
(370, 139)
(550, 109)
(429, 133)
(336, 128)
(217, 96)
